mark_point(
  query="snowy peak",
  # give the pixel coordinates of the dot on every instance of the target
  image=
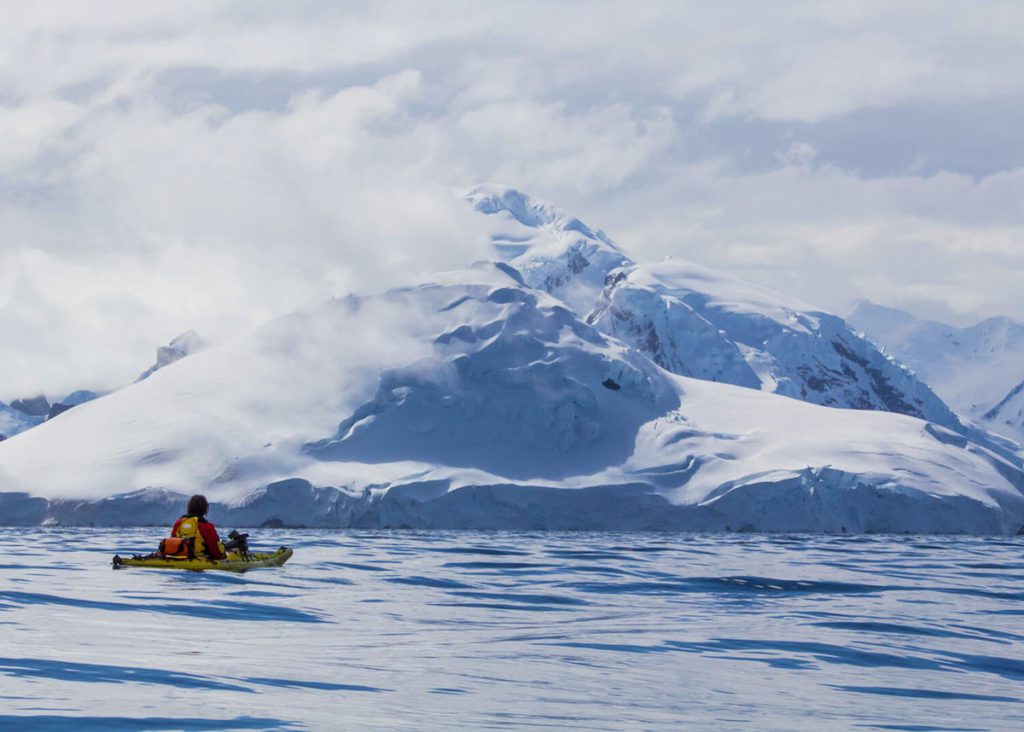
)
(530, 212)
(873, 317)
(697, 322)
(554, 252)
(996, 338)
(979, 370)
(988, 339)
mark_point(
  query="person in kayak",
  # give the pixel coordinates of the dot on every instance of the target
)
(194, 526)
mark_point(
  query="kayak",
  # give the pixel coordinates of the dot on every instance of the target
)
(233, 562)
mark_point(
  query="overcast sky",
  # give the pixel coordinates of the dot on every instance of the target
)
(167, 166)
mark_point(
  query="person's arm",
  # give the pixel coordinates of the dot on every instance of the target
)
(211, 540)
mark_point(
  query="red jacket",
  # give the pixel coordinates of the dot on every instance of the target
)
(210, 539)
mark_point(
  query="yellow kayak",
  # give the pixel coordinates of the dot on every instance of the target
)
(233, 562)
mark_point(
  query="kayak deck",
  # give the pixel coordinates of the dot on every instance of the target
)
(234, 562)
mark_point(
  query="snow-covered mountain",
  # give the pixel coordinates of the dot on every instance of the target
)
(37, 406)
(553, 251)
(24, 414)
(696, 322)
(14, 421)
(476, 400)
(978, 370)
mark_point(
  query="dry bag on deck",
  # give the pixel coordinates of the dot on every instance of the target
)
(177, 548)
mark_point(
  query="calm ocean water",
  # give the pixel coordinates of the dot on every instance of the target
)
(442, 630)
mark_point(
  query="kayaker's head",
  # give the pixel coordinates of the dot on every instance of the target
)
(198, 506)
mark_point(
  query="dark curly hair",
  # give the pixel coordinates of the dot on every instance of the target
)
(198, 506)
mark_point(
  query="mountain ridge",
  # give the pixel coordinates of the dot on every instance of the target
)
(484, 398)
(489, 404)
(978, 369)
(695, 321)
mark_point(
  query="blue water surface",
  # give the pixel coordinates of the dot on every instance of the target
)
(580, 631)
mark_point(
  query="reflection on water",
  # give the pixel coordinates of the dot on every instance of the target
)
(410, 630)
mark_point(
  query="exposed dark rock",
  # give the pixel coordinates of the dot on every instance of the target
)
(577, 262)
(37, 406)
(184, 345)
(994, 412)
(58, 408)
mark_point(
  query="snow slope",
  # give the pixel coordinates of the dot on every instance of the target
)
(15, 420)
(696, 322)
(978, 370)
(478, 401)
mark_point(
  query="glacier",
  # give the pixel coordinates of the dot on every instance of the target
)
(478, 401)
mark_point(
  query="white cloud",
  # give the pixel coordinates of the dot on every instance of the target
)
(29, 128)
(542, 146)
(166, 166)
(830, 237)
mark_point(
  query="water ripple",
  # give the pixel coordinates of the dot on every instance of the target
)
(94, 672)
(46, 722)
(473, 630)
(926, 693)
(223, 609)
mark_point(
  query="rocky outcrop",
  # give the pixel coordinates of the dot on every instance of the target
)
(184, 345)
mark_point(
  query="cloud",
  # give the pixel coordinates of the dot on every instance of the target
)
(543, 146)
(830, 237)
(208, 165)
